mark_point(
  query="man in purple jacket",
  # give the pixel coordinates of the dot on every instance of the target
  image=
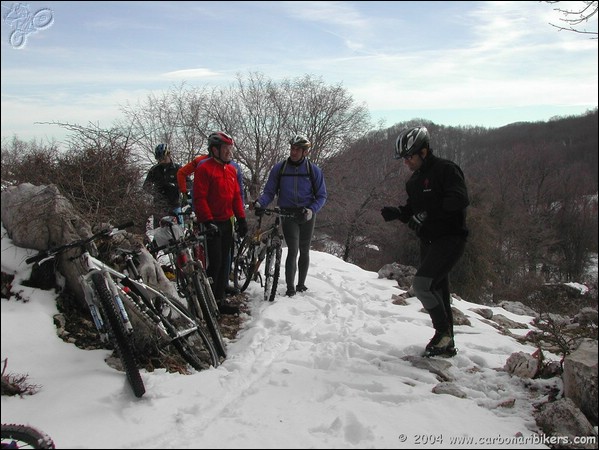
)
(300, 187)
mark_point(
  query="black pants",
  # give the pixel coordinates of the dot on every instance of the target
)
(219, 250)
(298, 237)
(431, 282)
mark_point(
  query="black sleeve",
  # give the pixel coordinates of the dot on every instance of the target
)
(456, 194)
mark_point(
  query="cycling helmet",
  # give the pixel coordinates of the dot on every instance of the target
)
(300, 141)
(411, 141)
(219, 138)
(160, 151)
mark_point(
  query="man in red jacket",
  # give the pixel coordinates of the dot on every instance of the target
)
(216, 200)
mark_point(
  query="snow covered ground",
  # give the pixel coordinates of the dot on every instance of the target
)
(324, 369)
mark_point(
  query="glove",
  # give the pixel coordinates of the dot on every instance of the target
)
(417, 220)
(258, 209)
(184, 200)
(390, 213)
(242, 227)
(307, 213)
(211, 229)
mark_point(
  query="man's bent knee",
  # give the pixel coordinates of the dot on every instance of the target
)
(422, 289)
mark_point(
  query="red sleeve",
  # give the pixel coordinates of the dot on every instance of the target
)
(184, 172)
(201, 184)
(182, 175)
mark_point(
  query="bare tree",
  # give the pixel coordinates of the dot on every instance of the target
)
(263, 114)
(96, 173)
(326, 114)
(573, 18)
(176, 117)
(259, 113)
(360, 181)
(253, 111)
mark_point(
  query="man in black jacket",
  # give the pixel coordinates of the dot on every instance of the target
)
(161, 182)
(436, 212)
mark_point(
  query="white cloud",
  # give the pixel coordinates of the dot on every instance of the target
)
(187, 74)
(391, 55)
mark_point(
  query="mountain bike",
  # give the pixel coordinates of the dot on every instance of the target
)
(262, 245)
(186, 252)
(24, 436)
(104, 299)
(106, 290)
(170, 321)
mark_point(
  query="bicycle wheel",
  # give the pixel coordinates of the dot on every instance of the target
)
(204, 294)
(244, 264)
(119, 334)
(272, 269)
(24, 436)
(172, 324)
(189, 338)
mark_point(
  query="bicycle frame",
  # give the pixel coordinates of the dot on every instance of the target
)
(260, 246)
(92, 265)
(192, 280)
(105, 302)
(108, 291)
(173, 320)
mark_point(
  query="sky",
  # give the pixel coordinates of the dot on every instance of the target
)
(454, 63)
(323, 369)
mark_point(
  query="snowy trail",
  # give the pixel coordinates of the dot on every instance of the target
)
(321, 369)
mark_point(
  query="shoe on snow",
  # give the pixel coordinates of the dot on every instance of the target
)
(447, 353)
(441, 344)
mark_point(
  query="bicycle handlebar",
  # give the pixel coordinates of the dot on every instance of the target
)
(51, 252)
(173, 245)
(278, 212)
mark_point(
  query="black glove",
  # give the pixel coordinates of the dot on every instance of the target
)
(211, 229)
(390, 213)
(184, 200)
(417, 220)
(242, 227)
(258, 209)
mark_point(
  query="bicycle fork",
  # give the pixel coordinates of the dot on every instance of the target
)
(92, 300)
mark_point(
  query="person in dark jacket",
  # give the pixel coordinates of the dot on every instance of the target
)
(217, 202)
(436, 212)
(301, 190)
(161, 183)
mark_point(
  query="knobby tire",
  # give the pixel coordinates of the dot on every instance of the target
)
(185, 333)
(192, 344)
(245, 264)
(208, 304)
(272, 269)
(25, 436)
(118, 334)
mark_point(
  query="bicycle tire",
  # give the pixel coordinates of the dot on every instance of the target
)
(272, 269)
(119, 334)
(245, 265)
(24, 436)
(203, 291)
(171, 319)
(191, 344)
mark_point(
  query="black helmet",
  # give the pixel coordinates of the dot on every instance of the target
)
(411, 141)
(300, 141)
(219, 138)
(160, 151)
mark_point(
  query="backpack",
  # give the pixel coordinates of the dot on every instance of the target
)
(310, 174)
